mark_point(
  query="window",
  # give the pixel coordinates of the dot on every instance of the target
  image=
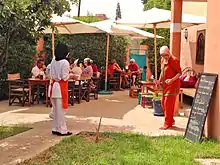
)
(200, 50)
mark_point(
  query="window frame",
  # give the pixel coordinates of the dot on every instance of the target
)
(199, 60)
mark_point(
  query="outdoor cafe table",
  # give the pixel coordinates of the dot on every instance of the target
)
(33, 81)
(148, 86)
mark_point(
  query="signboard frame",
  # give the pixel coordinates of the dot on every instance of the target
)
(207, 109)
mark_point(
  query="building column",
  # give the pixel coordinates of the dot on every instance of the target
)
(175, 36)
(212, 49)
(175, 27)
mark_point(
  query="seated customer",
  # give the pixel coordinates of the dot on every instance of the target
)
(76, 70)
(88, 68)
(113, 67)
(36, 71)
(134, 69)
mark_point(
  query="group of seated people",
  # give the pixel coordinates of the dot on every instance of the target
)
(40, 71)
(76, 69)
(132, 70)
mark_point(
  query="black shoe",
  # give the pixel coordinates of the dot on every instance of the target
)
(55, 133)
(66, 134)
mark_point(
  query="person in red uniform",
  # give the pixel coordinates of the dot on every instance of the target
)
(134, 68)
(113, 67)
(169, 78)
(94, 67)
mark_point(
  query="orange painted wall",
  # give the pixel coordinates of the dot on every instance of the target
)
(212, 58)
(188, 48)
(189, 8)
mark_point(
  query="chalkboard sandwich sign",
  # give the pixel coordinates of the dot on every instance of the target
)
(200, 107)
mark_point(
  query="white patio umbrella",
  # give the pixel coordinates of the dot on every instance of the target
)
(110, 27)
(67, 25)
(158, 18)
(161, 17)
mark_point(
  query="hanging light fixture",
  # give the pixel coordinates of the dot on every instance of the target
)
(186, 34)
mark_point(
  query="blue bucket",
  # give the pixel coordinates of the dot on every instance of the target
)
(158, 110)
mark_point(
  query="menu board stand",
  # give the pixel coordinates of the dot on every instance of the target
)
(200, 107)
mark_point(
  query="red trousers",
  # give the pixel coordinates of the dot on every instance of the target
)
(168, 104)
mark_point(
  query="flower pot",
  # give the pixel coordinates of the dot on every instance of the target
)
(158, 110)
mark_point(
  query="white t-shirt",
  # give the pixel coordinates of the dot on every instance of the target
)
(35, 71)
(77, 71)
(59, 70)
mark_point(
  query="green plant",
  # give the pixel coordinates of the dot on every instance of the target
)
(92, 46)
(157, 96)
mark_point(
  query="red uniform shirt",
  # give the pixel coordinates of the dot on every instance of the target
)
(111, 69)
(133, 67)
(170, 70)
(94, 68)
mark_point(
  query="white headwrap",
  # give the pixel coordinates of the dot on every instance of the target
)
(87, 59)
(132, 60)
(164, 50)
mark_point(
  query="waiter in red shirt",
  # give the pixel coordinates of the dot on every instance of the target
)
(169, 78)
(134, 68)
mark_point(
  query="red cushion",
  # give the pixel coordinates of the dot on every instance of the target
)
(188, 84)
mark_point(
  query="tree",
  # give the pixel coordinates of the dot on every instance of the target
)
(28, 17)
(118, 12)
(144, 1)
(88, 19)
(162, 4)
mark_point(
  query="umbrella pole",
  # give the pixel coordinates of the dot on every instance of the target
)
(53, 49)
(106, 62)
(155, 50)
(106, 67)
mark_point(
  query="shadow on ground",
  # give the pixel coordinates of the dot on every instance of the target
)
(111, 106)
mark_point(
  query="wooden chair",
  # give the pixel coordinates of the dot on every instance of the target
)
(71, 94)
(80, 88)
(85, 87)
(95, 90)
(115, 81)
(77, 91)
(18, 89)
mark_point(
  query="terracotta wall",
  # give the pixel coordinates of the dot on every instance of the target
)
(188, 48)
(189, 7)
(143, 49)
(212, 58)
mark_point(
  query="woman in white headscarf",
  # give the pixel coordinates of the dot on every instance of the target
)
(59, 73)
(169, 78)
(88, 69)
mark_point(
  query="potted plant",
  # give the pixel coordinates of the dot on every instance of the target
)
(158, 110)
